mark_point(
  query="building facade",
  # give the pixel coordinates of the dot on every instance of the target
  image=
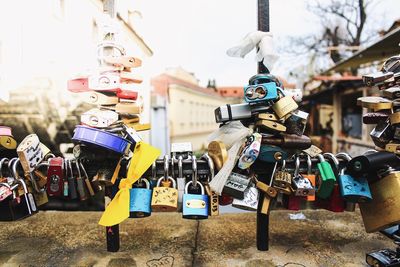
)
(42, 45)
(189, 109)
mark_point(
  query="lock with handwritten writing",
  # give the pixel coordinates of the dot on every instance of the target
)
(140, 200)
(165, 198)
(250, 200)
(30, 153)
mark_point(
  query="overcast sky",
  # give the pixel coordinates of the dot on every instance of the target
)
(195, 34)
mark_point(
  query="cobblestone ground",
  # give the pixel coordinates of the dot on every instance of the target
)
(75, 239)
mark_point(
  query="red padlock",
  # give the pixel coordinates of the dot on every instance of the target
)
(225, 199)
(294, 202)
(55, 177)
(334, 203)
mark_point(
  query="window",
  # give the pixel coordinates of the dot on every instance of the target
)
(351, 116)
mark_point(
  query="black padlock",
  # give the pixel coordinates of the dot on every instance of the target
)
(382, 134)
(24, 205)
(368, 163)
(5, 211)
(72, 192)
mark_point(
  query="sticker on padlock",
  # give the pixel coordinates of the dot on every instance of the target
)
(251, 151)
(195, 206)
(140, 200)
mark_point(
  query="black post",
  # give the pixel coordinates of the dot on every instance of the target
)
(262, 219)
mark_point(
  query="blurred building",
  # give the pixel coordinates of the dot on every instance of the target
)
(184, 111)
(335, 122)
(43, 44)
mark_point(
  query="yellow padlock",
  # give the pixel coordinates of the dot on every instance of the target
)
(7, 142)
(284, 106)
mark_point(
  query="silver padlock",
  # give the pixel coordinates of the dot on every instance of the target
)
(236, 185)
(250, 200)
(181, 180)
(301, 184)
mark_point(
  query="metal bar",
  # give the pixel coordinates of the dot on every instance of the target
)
(262, 219)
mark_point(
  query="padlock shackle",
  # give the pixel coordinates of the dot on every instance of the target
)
(180, 167)
(309, 164)
(145, 181)
(2, 162)
(14, 169)
(154, 170)
(334, 159)
(168, 177)
(297, 165)
(189, 183)
(166, 166)
(210, 165)
(343, 155)
(194, 173)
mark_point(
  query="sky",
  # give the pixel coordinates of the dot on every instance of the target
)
(195, 34)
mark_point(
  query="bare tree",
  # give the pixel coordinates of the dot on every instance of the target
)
(343, 23)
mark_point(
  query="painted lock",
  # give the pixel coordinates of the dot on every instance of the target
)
(270, 153)
(195, 206)
(165, 198)
(140, 201)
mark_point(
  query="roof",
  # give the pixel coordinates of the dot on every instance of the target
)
(386, 47)
(231, 91)
(162, 82)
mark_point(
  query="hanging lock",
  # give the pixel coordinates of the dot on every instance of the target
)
(195, 206)
(213, 196)
(353, 190)
(392, 93)
(272, 126)
(270, 153)
(250, 200)
(327, 179)
(217, 151)
(283, 180)
(23, 205)
(301, 185)
(269, 192)
(284, 106)
(55, 177)
(382, 134)
(140, 200)
(311, 177)
(267, 117)
(250, 152)
(394, 118)
(80, 185)
(165, 198)
(297, 122)
(260, 92)
(375, 103)
(236, 185)
(375, 117)
(99, 118)
(30, 153)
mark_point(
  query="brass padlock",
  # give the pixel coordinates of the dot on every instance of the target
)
(383, 211)
(393, 147)
(374, 102)
(218, 153)
(271, 125)
(267, 116)
(283, 180)
(165, 198)
(284, 106)
(394, 118)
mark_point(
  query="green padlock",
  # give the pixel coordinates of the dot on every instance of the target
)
(327, 178)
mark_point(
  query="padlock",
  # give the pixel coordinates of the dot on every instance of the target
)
(213, 203)
(72, 191)
(80, 185)
(225, 199)
(382, 134)
(311, 177)
(5, 209)
(250, 200)
(86, 179)
(293, 202)
(5, 192)
(30, 153)
(296, 123)
(368, 163)
(375, 117)
(283, 180)
(140, 200)
(236, 185)
(267, 117)
(284, 106)
(394, 118)
(351, 189)
(7, 142)
(165, 198)
(392, 93)
(195, 206)
(289, 141)
(393, 148)
(383, 211)
(268, 192)
(271, 126)
(181, 180)
(334, 203)
(250, 152)
(261, 92)
(55, 177)
(218, 152)
(301, 185)
(23, 205)
(99, 118)
(269, 153)
(375, 103)
(327, 178)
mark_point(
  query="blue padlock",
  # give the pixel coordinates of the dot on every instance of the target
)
(195, 206)
(353, 190)
(140, 201)
(269, 153)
